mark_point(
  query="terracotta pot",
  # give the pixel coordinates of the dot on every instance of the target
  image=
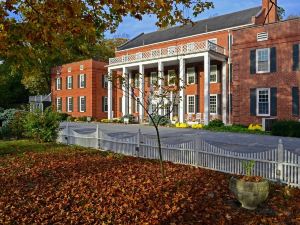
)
(249, 194)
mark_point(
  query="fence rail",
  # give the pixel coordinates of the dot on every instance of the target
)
(277, 164)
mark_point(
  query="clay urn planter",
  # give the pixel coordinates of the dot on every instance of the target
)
(249, 193)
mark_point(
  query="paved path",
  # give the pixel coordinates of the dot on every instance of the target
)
(231, 141)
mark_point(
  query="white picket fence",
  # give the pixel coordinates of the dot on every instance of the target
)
(277, 164)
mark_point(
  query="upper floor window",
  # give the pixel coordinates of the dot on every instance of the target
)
(172, 50)
(58, 83)
(82, 81)
(191, 75)
(105, 81)
(191, 104)
(213, 74)
(69, 69)
(81, 67)
(171, 77)
(153, 78)
(263, 60)
(213, 44)
(69, 82)
(263, 101)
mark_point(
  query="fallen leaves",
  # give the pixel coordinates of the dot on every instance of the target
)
(89, 188)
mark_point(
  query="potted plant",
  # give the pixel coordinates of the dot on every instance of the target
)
(249, 190)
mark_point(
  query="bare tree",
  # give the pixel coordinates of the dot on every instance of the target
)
(158, 103)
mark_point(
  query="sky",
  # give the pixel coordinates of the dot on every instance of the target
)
(131, 27)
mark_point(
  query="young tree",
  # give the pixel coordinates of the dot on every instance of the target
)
(158, 103)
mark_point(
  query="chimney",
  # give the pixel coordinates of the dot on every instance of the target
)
(267, 6)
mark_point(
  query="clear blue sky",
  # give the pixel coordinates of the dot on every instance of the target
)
(131, 27)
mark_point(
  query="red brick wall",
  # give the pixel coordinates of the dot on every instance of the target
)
(282, 35)
(93, 90)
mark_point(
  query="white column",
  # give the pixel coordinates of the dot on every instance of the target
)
(224, 93)
(141, 90)
(181, 93)
(130, 96)
(171, 105)
(206, 88)
(109, 95)
(160, 82)
(125, 92)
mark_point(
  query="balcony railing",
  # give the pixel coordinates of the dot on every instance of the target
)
(189, 48)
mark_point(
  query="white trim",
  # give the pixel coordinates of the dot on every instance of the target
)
(269, 60)
(57, 100)
(195, 35)
(81, 76)
(68, 82)
(213, 95)
(81, 67)
(188, 106)
(80, 99)
(189, 75)
(68, 104)
(215, 67)
(58, 86)
(269, 101)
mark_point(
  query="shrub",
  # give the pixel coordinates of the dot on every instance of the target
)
(129, 116)
(286, 128)
(64, 116)
(71, 119)
(82, 119)
(181, 125)
(17, 125)
(215, 123)
(163, 121)
(9, 127)
(42, 127)
(197, 126)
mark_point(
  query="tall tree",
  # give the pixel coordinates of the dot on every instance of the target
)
(42, 34)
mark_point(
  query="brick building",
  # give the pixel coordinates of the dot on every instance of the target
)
(200, 55)
(266, 75)
(80, 89)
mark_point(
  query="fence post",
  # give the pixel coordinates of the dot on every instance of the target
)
(280, 160)
(197, 146)
(137, 149)
(67, 136)
(97, 136)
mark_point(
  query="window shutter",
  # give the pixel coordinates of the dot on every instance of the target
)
(102, 81)
(229, 107)
(55, 84)
(72, 108)
(196, 75)
(78, 104)
(67, 82)
(230, 72)
(72, 82)
(84, 104)
(273, 102)
(120, 105)
(103, 103)
(219, 106)
(66, 104)
(273, 60)
(295, 101)
(78, 81)
(253, 61)
(60, 83)
(219, 75)
(296, 57)
(197, 104)
(185, 104)
(253, 102)
(84, 80)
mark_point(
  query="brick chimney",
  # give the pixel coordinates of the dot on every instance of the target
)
(273, 14)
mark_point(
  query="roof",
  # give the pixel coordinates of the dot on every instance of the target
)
(200, 27)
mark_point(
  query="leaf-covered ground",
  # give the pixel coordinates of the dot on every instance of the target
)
(54, 184)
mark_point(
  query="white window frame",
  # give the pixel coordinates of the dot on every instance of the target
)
(81, 80)
(58, 83)
(81, 67)
(188, 75)
(105, 104)
(269, 60)
(213, 70)
(80, 103)
(58, 100)
(216, 96)
(172, 50)
(169, 73)
(69, 109)
(257, 101)
(152, 75)
(188, 104)
(70, 81)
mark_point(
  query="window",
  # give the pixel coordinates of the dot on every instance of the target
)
(263, 60)
(171, 77)
(172, 50)
(82, 81)
(213, 103)
(137, 80)
(81, 67)
(82, 104)
(190, 47)
(58, 104)
(105, 84)
(191, 104)
(58, 83)
(105, 104)
(191, 75)
(153, 78)
(137, 105)
(70, 104)
(263, 36)
(213, 74)
(263, 101)
(69, 82)
(138, 55)
(69, 69)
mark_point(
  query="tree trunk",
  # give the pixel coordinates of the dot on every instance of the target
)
(162, 169)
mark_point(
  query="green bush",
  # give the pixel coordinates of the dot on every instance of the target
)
(286, 128)
(63, 116)
(9, 127)
(71, 119)
(163, 120)
(129, 116)
(215, 123)
(43, 127)
(17, 124)
(82, 118)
